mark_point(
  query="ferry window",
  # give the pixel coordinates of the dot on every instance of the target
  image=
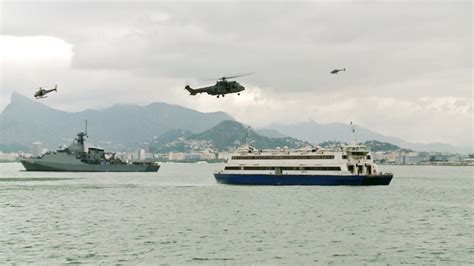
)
(368, 157)
(283, 157)
(287, 168)
(344, 156)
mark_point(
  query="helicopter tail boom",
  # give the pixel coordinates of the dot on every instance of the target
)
(191, 91)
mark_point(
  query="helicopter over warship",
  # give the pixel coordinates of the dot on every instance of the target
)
(76, 158)
(41, 92)
(222, 87)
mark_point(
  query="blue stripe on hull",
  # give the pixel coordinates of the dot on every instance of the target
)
(261, 179)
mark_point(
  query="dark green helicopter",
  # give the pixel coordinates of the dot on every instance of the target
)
(41, 93)
(222, 87)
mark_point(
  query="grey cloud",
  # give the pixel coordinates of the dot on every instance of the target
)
(400, 50)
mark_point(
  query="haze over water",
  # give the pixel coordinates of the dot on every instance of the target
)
(181, 215)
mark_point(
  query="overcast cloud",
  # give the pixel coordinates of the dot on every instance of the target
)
(409, 65)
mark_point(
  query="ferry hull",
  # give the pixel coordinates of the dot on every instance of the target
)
(288, 180)
(36, 165)
(302, 180)
(377, 180)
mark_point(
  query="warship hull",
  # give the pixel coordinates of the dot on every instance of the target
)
(76, 158)
(39, 165)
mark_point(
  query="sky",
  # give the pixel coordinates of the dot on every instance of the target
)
(409, 63)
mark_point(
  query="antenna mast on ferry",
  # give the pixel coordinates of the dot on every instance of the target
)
(247, 138)
(354, 141)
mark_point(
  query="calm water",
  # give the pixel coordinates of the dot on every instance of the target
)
(180, 216)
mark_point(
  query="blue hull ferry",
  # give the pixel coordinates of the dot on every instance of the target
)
(351, 165)
(301, 180)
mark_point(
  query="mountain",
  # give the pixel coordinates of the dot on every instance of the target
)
(373, 145)
(121, 127)
(229, 133)
(25, 120)
(225, 136)
(271, 133)
(14, 148)
(317, 133)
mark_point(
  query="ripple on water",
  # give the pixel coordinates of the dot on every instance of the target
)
(211, 259)
(34, 179)
(133, 219)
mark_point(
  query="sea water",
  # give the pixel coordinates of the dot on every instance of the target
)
(180, 215)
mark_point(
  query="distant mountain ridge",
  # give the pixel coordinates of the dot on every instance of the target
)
(374, 146)
(25, 120)
(126, 126)
(317, 133)
(271, 133)
(227, 135)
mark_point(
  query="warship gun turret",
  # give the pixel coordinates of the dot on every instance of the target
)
(76, 158)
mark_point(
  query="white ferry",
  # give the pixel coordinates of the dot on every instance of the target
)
(348, 165)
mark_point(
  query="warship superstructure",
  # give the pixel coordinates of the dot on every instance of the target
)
(76, 158)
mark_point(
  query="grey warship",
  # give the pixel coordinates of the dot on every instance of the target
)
(76, 158)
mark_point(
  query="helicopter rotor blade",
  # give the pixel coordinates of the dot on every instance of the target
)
(236, 76)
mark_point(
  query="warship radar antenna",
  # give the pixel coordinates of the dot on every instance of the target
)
(81, 135)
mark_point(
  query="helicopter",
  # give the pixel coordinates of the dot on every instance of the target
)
(335, 71)
(222, 87)
(40, 93)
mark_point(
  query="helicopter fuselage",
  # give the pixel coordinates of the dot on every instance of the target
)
(225, 87)
(220, 88)
(335, 71)
(42, 92)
